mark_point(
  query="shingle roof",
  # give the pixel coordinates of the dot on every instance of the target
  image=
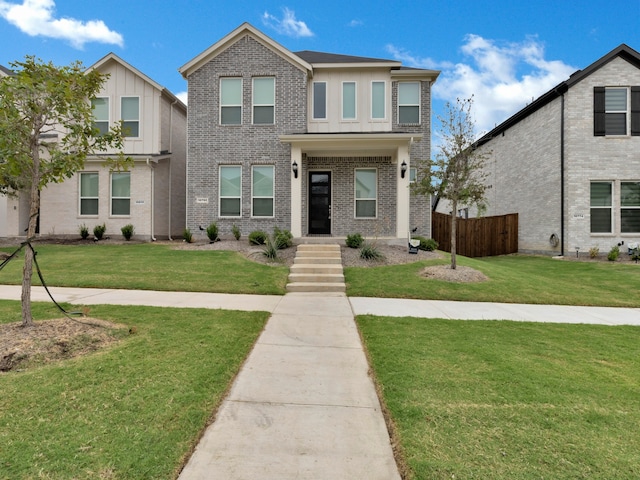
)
(5, 70)
(622, 51)
(323, 57)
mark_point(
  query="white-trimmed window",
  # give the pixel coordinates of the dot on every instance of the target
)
(601, 207)
(616, 111)
(130, 115)
(121, 193)
(100, 106)
(348, 100)
(89, 193)
(319, 100)
(262, 188)
(230, 101)
(409, 102)
(230, 190)
(366, 192)
(378, 100)
(264, 99)
(615, 106)
(630, 207)
(413, 174)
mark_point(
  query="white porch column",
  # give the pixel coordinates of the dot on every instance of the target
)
(296, 193)
(403, 200)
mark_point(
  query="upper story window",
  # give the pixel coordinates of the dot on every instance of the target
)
(130, 114)
(100, 106)
(616, 110)
(319, 100)
(89, 193)
(378, 100)
(264, 95)
(348, 100)
(409, 102)
(230, 101)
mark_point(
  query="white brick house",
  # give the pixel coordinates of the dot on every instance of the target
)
(318, 143)
(569, 163)
(150, 196)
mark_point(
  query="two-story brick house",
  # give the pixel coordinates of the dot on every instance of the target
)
(318, 143)
(569, 162)
(150, 196)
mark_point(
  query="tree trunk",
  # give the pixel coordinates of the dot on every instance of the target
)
(34, 210)
(454, 218)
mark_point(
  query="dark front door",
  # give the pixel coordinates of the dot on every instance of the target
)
(320, 202)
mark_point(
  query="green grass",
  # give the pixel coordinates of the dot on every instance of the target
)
(497, 400)
(512, 279)
(134, 410)
(150, 266)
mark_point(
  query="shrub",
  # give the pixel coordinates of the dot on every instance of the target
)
(354, 240)
(84, 231)
(370, 252)
(613, 254)
(187, 235)
(257, 237)
(270, 249)
(98, 231)
(635, 254)
(235, 231)
(593, 252)
(127, 231)
(427, 244)
(212, 232)
(282, 238)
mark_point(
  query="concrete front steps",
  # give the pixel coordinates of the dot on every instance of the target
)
(317, 268)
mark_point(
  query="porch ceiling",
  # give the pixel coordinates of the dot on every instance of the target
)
(339, 144)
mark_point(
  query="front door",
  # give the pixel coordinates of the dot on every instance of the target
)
(319, 203)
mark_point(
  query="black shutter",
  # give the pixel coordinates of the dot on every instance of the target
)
(635, 111)
(599, 129)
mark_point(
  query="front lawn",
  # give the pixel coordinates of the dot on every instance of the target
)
(134, 410)
(498, 399)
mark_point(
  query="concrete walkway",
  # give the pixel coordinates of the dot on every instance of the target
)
(303, 405)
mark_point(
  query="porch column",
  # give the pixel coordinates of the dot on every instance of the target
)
(403, 201)
(296, 193)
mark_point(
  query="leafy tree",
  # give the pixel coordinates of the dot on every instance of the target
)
(46, 133)
(457, 172)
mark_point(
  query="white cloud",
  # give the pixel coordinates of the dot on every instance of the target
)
(502, 78)
(355, 23)
(36, 18)
(287, 25)
(183, 97)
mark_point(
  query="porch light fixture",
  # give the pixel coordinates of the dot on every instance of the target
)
(403, 169)
(294, 167)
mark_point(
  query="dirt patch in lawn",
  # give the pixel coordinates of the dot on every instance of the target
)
(460, 274)
(52, 340)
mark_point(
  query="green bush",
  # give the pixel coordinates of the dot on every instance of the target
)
(235, 231)
(270, 249)
(257, 237)
(127, 231)
(212, 232)
(98, 231)
(427, 244)
(354, 240)
(282, 238)
(187, 235)
(593, 252)
(370, 252)
(613, 254)
(84, 231)
(635, 254)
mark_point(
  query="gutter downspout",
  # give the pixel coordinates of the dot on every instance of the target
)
(562, 160)
(153, 238)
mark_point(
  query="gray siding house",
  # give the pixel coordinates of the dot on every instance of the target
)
(317, 143)
(569, 163)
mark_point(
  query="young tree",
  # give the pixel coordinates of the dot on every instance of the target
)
(457, 173)
(46, 133)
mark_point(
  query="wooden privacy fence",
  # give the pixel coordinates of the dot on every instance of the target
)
(477, 237)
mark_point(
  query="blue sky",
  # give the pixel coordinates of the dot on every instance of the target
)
(504, 53)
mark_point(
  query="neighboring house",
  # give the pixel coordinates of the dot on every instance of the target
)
(6, 206)
(150, 196)
(318, 143)
(569, 163)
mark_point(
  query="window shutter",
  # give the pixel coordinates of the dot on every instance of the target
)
(635, 111)
(598, 112)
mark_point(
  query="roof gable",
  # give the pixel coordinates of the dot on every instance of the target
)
(233, 37)
(623, 51)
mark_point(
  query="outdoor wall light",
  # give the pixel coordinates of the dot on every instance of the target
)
(403, 169)
(294, 167)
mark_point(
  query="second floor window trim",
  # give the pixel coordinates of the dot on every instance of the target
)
(349, 100)
(319, 101)
(378, 100)
(100, 106)
(409, 103)
(130, 116)
(616, 111)
(263, 98)
(231, 101)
